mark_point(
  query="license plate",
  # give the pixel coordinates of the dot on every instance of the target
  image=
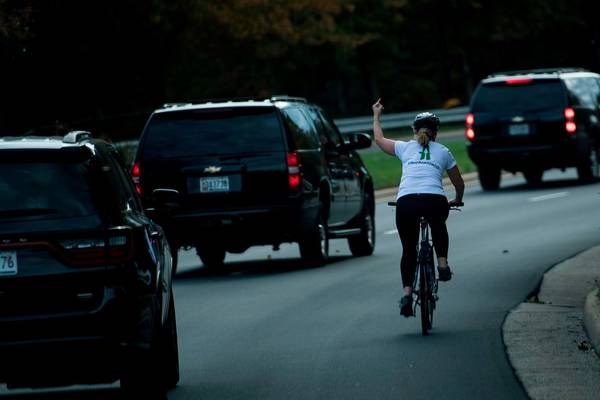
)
(216, 184)
(8, 263)
(518, 129)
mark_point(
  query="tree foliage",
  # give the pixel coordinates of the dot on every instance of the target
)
(106, 64)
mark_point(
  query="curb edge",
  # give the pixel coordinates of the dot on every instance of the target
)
(591, 318)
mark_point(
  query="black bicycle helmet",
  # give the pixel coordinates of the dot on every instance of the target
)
(426, 120)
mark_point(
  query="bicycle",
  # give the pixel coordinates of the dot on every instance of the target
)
(426, 294)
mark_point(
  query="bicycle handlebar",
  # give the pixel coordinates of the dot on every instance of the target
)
(452, 207)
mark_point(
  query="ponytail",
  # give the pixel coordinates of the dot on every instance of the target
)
(423, 136)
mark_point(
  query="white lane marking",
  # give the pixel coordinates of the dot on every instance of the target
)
(549, 196)
(390, 232)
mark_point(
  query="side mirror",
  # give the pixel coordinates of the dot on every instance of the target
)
(355, 141)
(165, 199)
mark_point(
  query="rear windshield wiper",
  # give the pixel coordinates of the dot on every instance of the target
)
(27, 212)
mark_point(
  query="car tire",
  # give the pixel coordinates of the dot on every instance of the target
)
(314, 245)
(144, 376)
(169, 348)
(585, 172)
(587, 169)
(363, 244)
(595, 160)
(533, 176)
(211, 255)
(590, 171)
(174, 259)
(489, 177)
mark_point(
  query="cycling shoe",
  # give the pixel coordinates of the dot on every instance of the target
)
(444, 274)
(406, 306)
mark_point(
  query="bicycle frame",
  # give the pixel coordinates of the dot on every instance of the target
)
(425, 284)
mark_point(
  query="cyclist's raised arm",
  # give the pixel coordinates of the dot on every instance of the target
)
(459, 185)
(387, 145)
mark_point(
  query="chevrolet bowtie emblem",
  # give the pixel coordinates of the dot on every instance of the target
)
(212, 169)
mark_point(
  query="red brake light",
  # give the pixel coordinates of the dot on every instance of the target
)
(470, 132)
(470, 119)
(293, 170)
(570, 125)
(136, 177)
(518, 81)
(569, 113)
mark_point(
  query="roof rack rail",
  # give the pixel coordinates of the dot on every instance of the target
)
(76, 136)
(279, 97)
(285, 97)
(538, 71)
(171, 105)
(213, 100)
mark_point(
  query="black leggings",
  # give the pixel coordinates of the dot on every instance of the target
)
(409, 209)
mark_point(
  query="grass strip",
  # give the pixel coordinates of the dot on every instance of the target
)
(387, 170)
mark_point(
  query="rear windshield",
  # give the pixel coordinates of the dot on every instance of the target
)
(50, 188)
(213, 132)
(535, 96)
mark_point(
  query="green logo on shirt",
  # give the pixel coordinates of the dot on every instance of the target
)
(425, 155)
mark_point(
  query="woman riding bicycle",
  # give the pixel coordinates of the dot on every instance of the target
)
(421, 194)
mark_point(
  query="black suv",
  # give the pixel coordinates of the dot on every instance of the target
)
(534, 120)
(85, 276)
(226, 175)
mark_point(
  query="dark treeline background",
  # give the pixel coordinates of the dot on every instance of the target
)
(105, 65)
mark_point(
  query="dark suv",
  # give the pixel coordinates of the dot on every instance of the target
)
(531, 121)
(224, 176)
(85, 276)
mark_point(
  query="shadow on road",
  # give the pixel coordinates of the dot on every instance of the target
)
(85, 394)
(254, 268)
(544, 185)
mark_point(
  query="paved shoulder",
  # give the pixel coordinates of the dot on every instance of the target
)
(546, 338)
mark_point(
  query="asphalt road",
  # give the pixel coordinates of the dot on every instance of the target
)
(267, 329)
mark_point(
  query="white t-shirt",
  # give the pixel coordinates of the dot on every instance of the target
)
(422, 168)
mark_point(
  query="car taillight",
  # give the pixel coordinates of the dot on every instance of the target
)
(470, 132)
(136, 176)
(117, 246)
(518, 81)
(293, 170)
(570, 125)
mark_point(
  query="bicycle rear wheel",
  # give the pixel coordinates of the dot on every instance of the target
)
(424, 300)
(432, 286)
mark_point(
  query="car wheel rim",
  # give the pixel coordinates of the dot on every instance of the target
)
(370, 233)
(323, 240)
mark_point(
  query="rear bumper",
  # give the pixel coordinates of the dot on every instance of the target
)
(238, 229)
(519, 158)
(85, 346)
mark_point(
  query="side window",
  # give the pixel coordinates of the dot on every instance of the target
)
(330, 129)
(301, 129)
(124, 182)
(584, 90)
(324, 138)
(595, 85)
